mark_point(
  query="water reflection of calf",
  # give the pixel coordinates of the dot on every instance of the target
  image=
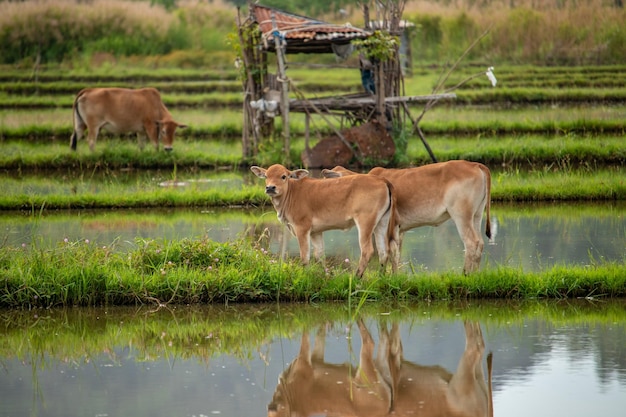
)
(386, 385)
(432, 390)
(310, 386)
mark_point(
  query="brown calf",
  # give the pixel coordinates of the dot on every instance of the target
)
(309, 207)
(431, 194)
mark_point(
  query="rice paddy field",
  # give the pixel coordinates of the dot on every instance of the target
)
(534, 115)
(123, 263)
(547, 134)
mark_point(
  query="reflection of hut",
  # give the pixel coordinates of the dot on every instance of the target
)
(270, 31)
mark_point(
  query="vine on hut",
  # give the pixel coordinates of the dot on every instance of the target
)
(380, 46)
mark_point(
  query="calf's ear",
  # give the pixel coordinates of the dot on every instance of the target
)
(328, 173)
(181, 126)
(258, 171)
(299, 174)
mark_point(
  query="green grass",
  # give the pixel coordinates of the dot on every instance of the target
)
(216, 143)
(203, 271)
(517, 85)
(118, 154)
(559, 185)
(121, 197)
(132, 74)
(79, 191)
(539, 152)
(211, 96)
(73, 86)
(524, 168)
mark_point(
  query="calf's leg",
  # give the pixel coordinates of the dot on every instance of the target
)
(304, 236)
(472, 240)
(381, 238)
(92, 136)
(152, 131)
(317, 240)
(366, 245)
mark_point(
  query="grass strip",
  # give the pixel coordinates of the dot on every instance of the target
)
(606, 185)
(567, 150)
(231, 129)
(215, 99)
(246, 196)
(207, 98)
(203, 271)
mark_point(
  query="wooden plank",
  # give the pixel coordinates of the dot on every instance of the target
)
(355, 103)
(409, 99)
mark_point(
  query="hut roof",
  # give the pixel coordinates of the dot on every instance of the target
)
(302, 34)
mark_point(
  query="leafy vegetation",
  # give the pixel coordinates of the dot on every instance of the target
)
(203, 271)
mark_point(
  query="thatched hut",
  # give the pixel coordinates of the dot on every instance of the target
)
(271, 32)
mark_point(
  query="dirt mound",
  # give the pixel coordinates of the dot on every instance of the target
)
(369, 141)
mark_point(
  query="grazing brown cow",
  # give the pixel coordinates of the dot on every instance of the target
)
(431, 194)
(122, 110)
(309, 207)
(312, 387)
(386, 385)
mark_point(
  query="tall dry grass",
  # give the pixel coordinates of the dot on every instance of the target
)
(522, 31)
(53, 30)
(193, 34)
(569, 32)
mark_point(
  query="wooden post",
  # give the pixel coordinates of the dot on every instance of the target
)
(245, 132)
(307, 121)
(380, 94)
(249, 123)
(279, 44)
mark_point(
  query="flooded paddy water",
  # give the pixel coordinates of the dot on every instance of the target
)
(548, 358)
(529, 236)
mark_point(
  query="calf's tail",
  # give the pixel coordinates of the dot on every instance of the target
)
(487, 173)
(393, 230)
(73, 141)
(489, 381)
(77, 119)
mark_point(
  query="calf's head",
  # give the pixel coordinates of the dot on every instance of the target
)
(167, 129)
(277, 178)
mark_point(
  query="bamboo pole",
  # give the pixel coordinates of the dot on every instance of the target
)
(249, 126)
(284, 82)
